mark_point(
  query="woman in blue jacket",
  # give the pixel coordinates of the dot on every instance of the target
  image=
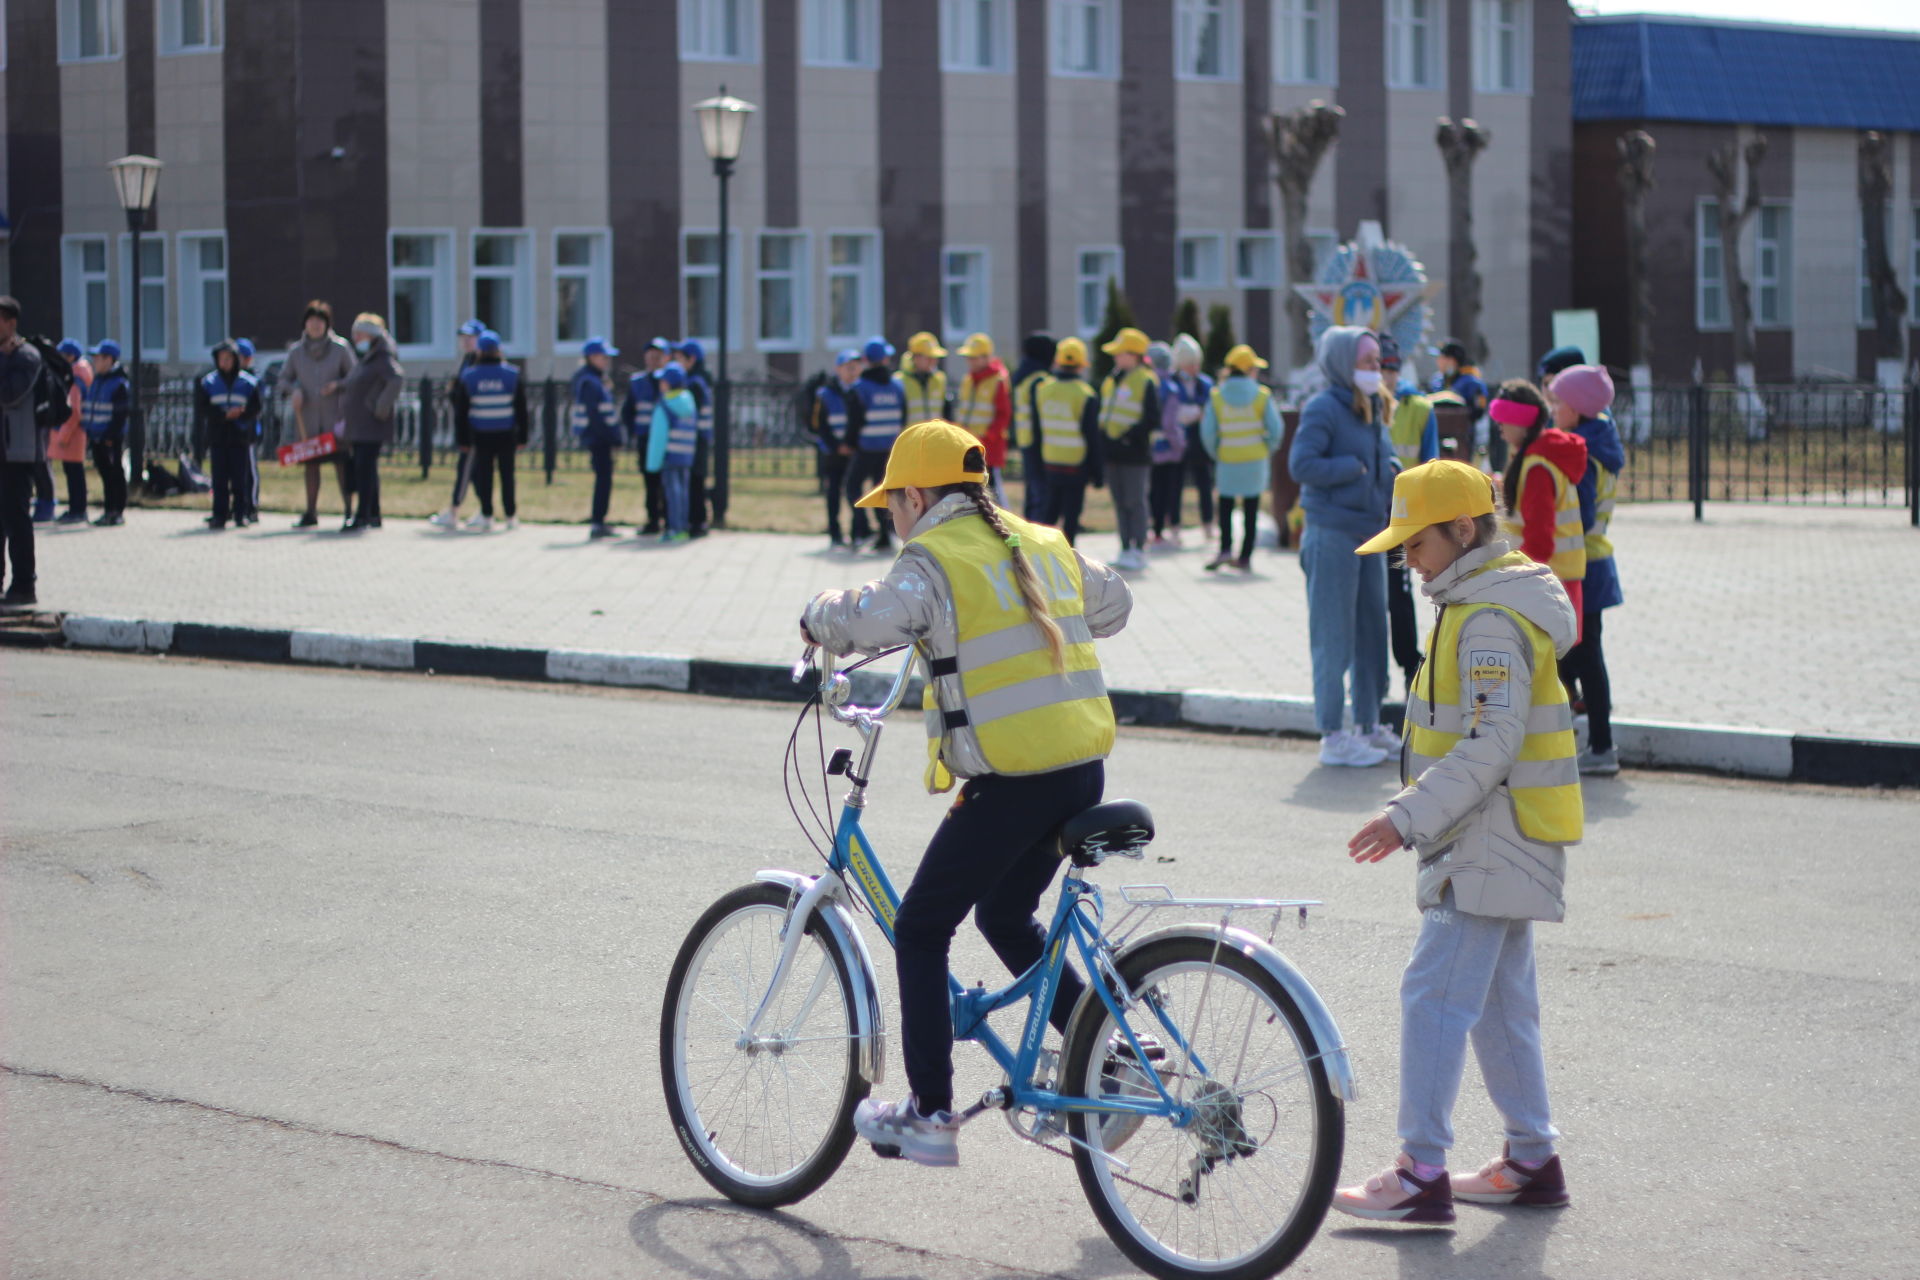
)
(1345, 464)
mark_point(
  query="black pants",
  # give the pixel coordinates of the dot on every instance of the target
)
(993, 855)
(601, 458)
(232, 481)
(1066, 499)
(1034, 470)
(76, 473)
(462, 477)
(113, 476)
(490, 449)
(43, 482)
(656, 496)
(1249, 525)
(698, 514)
(366, 481)
(864, 470)
(1200, 467)
(16, 524)
(1163, 494)
(1585, 666)
(1402, 620)
(833, 485)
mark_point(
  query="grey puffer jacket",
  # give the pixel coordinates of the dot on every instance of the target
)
(913, 604)
(368, 396)
(1458, 816)
(21, 438)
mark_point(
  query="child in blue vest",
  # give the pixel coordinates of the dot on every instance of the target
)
(490, 417)
(672, 439)
(1454, 371)
(693, 362)
(228, 400)
(876, 415)
(636, 415)
(104, 415)
(595, 425)
(829, 422)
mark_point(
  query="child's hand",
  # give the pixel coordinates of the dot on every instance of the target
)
(1374, 841)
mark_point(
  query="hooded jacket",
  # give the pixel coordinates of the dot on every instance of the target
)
(1534, 505)
(1458, 816)
(1601, 587)
(1344, 464)
(368, 396)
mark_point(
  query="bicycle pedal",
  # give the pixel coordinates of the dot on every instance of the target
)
(886, 1151)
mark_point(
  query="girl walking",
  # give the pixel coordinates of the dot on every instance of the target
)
(1240, 430)
(1581, 395)
(1544, 466)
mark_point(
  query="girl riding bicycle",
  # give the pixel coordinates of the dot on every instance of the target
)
(1005, 614)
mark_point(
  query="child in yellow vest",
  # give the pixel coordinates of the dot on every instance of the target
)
(1491, 800)
(1004, 614)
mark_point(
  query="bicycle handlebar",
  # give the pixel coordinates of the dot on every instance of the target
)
(835, 688)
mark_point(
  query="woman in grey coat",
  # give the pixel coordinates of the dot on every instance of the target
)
(367, 401)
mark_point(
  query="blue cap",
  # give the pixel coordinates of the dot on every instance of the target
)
(488, 341)
(597, 346)
(692, 347)
(245, 347)
(878, 349)
(106, 347)
(70, 349)
(661, 345)
(847, 355)
(473, 328)
(674, 376)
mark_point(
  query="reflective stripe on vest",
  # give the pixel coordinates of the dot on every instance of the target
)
(1027, 714)
(1061, 402)
(1243, 428)
(979, 398)
(96, 407)
(224, 397)
(1123, 400)
(1605, 485)
(925, 400)
(490, 389)
(1023, 409)
(1545, 778)
(1569, 562)
(682, 435)
(886, 408)
(1409, 426)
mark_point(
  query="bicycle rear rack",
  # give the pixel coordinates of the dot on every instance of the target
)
(1144, 899)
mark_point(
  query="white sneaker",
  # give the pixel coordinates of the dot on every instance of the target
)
(447, 518)
(1383, 737)
(897, 1130)
(1346, 748)
(1132, 559)
(513, 522)
(479, 524)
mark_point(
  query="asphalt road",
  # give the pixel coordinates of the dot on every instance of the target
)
(327, 973)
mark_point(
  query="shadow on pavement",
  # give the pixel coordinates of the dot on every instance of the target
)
(1360, 792)
(1605, 798)
(1515, 1249)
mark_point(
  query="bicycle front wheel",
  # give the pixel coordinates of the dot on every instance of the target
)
(1240, 1189)
(765, 1119)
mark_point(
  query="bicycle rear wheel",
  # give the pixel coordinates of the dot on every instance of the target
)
(765, 1122)
(1240, 1191)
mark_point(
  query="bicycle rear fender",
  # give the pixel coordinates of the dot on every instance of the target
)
(1328, 1045)
(869, 1026)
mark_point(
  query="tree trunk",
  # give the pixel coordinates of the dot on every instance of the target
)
(1460, 145)
(1300, 141)
(1737, 207)
(1636, 179)
(1876, 192)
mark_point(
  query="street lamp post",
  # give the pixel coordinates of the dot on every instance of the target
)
(723, 127)
(135, 180)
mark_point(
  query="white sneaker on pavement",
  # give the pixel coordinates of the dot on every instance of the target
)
(1383, 737)
(446, 518)
(897, 1130)
(1131, 559)
(478, 524)
(513, 522)
(1344, 747)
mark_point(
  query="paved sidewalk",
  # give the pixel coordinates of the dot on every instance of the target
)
(1805, 620)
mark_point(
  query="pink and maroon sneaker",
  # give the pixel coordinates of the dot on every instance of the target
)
(1396, 1194)
(1504, 1180)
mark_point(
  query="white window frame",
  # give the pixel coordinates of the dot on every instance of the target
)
(958, 51)
(441, 323)
(1271, 279)
(192, 318)
(1706, 234)
(948, 280)
(1397, 47)
(869, 277)
(699, 31)
(800, 274)
(1289, 17)
(1082, 280)
(111, 15)
(517, 338)
(734, 290)
(824, 28)
(213, 27)
(1487, 29)
(1066, 21)
(74, 280)
(1780, 279)
(598, 277)
(1186, 26)
(149, 349)
(1217, 278)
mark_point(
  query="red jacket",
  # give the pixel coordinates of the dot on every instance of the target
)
(1567, 454)
(974, 387)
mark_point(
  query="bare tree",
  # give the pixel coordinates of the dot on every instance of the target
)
(1876, 191)
(1460, 145)
(1736, 208)
(1636, 180)
(1300, 141)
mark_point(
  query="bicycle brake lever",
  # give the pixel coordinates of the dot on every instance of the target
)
(804, 668)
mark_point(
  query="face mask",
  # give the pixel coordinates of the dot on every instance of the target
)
(1367, 380)
(360, 345)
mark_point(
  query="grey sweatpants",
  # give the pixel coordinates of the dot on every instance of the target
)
(1471, 975)
(1129, 485)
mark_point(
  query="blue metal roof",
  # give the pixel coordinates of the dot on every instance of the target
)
(1652, 67)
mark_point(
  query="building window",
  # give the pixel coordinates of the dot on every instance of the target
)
(503, 286)
(976, 35)
(700, 285)
(963, 286)
(842, 33)
(1324, 244)
(90, 29)
(83, 281)
(1710, 269)
(1206, 39)
(1305, 42)
(1773, 267)
(719, 30)
(1415, 43)
(1502, 46)
(1256, 260)
(780, 290)
(153, 294)
(1086, 38)
(1197, 261)
(203, 291)
(420, 292)
(190, 26)
(853, 285)
(582, 297)
(1097, 266)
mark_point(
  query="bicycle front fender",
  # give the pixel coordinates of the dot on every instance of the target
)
(1328, 1045)
(847, 940)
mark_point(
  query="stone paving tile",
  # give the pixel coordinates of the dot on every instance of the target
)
(1786, 618)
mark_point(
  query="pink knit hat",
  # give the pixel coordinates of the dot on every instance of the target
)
(1584, 388)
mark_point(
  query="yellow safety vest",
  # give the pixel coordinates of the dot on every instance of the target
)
(1123, 400)
(1061, 401)
(1023, 409)
(1243, 428)
(1409, 426)
(925, 400)
(1605, 485)
(1001, 684)
(974, 407)
(1545, 779)
(1569, 562)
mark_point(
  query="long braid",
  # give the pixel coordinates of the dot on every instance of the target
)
(1023, 574)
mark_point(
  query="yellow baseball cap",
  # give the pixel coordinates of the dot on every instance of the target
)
(925, 344)
(1243, 359)
(1431, 493)
(1071, 351)
(977, 344)
(1132, 340)
(928, 455)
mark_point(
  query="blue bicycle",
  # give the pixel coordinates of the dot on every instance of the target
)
(1200, 1090)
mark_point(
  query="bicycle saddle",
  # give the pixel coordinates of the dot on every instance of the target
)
(1118, 828)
